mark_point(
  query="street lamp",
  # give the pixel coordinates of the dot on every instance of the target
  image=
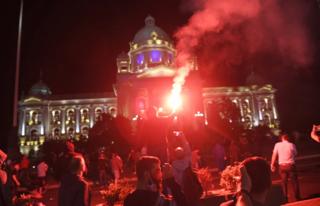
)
(16, 81)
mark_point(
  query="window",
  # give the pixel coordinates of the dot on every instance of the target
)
(70, 132)
(98, 114)
(34, 134)
(70, 117)
(155, 56)
(84, 115)
(56, 117)
(56, 133)
(140, 59)
(170, 57)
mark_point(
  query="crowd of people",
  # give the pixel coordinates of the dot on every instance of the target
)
(160, 181)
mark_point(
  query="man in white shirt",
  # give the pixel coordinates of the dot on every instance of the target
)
(286, 153)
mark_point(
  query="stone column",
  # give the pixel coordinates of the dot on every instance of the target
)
(63, 121)
(255, 109)
(91, 113)
(205, 110)
(274, 110)
(22, 122)
(77, 110)
(46, 118)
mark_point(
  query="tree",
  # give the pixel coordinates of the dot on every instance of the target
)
(111, 133)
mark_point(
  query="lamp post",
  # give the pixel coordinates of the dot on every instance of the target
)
(16, 83)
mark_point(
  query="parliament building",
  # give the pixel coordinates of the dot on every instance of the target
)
(144, 79)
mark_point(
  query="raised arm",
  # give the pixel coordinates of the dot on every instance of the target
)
(313, 133)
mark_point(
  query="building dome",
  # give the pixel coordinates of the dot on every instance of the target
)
(150, 31)
(40, 89)
(254, 79)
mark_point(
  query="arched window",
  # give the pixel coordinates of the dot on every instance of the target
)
(85, 130)
(248, 122)
(33, 118)
(84, 115)
(155, 56)
(267, 119)
(56, 117)
(56, 133)
(70, 132)
(112, 111)
(98, 113)
(140, 59)
(34, 134)
(170, 57)
(70, 117)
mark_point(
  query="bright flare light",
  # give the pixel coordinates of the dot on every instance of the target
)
(174, 101)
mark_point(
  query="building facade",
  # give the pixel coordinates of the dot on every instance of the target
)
(44, 116)
(144, 79)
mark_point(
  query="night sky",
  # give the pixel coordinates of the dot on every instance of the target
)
(75, 45)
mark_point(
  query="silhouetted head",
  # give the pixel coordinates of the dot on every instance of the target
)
(284, 137)
(77, 165)
(259, 171)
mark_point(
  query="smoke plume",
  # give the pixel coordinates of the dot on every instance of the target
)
(227, 35)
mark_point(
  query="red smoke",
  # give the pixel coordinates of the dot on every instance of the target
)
(211, 18)
(245, 33)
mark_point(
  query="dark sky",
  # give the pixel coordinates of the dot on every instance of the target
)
(75, 45)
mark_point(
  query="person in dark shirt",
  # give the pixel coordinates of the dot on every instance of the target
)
(74, 189)
(63, 163)
(254, 184)
(151, 182)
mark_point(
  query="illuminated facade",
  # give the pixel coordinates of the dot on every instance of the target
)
(145, 73)
(45, 116)
(144, 80)
(256, 105)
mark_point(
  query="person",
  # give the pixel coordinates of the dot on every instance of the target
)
(42, 169)
(64, 160)
(25, 163)
(234, 152)
(132, 160)
(219, 155)
(286, 153)
(102, 165)
(195, 159)
(179, 164)
(315, 135)
(74, 189)
(191, 186)
(3, 178)
(254, 185)
(24, 174)
(117, 167)
(150, 185)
